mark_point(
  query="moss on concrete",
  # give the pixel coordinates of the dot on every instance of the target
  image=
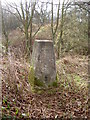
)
(38, 82)
(33, 80)
(31, 77)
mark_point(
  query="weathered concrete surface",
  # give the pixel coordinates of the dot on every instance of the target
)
(43, 61)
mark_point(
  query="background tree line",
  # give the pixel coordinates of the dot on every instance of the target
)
(66, 23)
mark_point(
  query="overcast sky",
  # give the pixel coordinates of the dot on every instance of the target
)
(18, 1)
(3, 2)
(55, 1)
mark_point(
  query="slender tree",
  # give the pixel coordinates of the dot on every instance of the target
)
(54, 30)
(5, 33)
(60, 41)
(24, 14)
(64, 7)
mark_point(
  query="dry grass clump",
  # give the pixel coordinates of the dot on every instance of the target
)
(73, 65)
(15, 74)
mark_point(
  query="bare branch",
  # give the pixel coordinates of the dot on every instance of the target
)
(22, 10)
(57, 19)
(36, 31)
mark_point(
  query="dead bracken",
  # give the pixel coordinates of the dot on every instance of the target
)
(68, 98)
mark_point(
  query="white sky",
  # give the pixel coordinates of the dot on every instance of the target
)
(18, 1)
(55, 1)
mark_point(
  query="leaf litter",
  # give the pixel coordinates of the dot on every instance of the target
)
(68, 100)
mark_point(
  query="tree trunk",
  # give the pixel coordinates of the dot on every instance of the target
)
(60, 42)
(5, 34)
(52, 21)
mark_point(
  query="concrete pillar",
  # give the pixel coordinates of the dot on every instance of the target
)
(43, 61)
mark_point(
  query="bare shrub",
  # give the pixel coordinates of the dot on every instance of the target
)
(15, 74)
